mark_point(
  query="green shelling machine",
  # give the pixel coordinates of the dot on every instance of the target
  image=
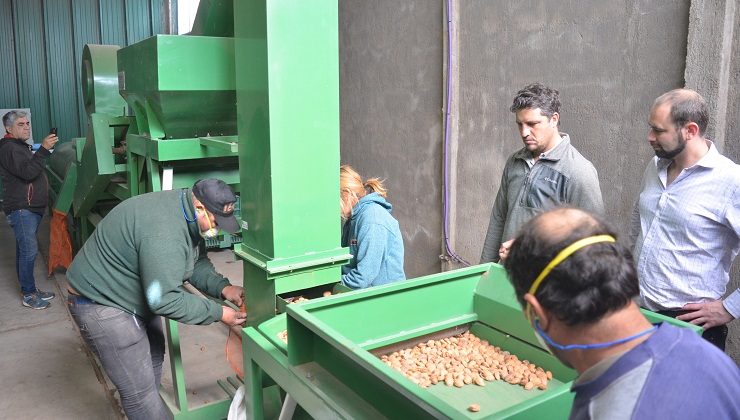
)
(161, 115)
(167, 143)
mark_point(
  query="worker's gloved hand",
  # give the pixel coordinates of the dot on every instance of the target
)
(232, 317)
(234, 294)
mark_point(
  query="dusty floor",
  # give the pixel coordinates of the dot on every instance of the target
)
(46, 369)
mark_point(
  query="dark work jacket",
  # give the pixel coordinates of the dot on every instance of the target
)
(25, 185)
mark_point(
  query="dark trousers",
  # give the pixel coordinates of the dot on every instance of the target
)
(715, 335)
(25, 224)
(131, 351)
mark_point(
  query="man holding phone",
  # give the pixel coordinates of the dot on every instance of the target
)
(26, 195)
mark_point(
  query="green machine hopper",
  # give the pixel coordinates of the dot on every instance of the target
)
(161, 115)
(181, 89)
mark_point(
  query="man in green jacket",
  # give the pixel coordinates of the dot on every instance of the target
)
(130, 273)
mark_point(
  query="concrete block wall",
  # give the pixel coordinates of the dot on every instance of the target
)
(390, 99)
(609, 60)
(713, 68)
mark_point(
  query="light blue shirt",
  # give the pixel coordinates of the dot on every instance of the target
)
(688, 233)
(375, 242)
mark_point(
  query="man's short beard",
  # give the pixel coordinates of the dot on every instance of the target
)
(665, 154)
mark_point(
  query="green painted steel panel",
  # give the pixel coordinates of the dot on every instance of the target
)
(33, 91)
(86, 30)
(113, 22)
(41, 43)
(347, 377)
(63, 110)
(99, 80)
(138, 20)
(173, 149)
(8, 79)
(97, 165)
(163, 76)
(288, 125)
(214, 18)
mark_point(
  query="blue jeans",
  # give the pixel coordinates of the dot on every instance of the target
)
(25, 224)
(131, 351)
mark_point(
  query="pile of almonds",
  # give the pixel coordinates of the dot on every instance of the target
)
(297, 299)
(283, 335)
(462, 360)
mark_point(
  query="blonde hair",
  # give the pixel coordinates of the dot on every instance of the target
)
(351, 183)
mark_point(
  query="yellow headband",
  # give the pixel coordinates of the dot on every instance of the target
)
(562, 255)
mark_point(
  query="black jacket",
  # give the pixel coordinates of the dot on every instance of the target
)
(25, 185)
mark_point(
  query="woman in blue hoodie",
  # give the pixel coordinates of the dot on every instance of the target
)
(370, 232)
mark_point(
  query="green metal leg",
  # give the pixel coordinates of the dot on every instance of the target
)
(154, 180)
(132, 171)
(136, 173)
(261, 402)
(260, 294)
(179, 407)
(254, 391)
(178, 375)
(85, 229)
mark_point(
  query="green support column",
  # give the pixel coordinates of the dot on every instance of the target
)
(287, 67)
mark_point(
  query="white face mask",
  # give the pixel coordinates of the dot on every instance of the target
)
(209, 234)
(212, 232)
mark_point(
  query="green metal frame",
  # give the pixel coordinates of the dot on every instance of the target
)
(288, 148)
(331, 367)
(179, 405)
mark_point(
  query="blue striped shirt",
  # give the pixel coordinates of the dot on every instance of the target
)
(688, 233)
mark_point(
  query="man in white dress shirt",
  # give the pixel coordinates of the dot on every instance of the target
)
(686, 223)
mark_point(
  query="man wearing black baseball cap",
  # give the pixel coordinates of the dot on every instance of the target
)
(218, 198)
(130, 273)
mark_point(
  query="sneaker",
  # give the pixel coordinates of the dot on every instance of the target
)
(44, 295)
(34, 302)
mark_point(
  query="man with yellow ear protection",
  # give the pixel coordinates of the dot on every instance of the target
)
(129, 274)
(577, 284)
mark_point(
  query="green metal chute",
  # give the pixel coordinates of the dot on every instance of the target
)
(214, 18)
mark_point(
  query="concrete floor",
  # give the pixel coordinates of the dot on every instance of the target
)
(49, 373)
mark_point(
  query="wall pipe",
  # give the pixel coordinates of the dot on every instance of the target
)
(446, 165)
